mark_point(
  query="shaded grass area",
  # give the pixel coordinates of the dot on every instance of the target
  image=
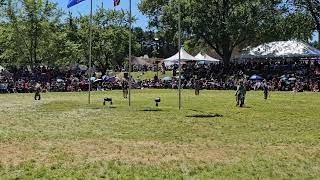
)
(63, 136)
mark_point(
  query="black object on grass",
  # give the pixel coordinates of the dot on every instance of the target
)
(157, 100)
(107, 100)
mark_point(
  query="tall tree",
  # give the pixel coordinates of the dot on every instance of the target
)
(110, 37)
(2, 3)
(226, 24)
(312, 7)
(32, 25)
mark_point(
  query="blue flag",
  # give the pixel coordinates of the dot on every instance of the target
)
(73, 2)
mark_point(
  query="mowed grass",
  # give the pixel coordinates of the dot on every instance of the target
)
(146, 75)
(210, 138)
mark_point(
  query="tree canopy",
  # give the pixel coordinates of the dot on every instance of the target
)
(38, 32)
(34, 32)
(228, 24)
(310, 8)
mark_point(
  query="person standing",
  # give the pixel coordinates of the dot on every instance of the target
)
(265, 89)
(163, 68)
(175, 68)
(37, 95)
(197, 87)
(125, 86)
(240, 94)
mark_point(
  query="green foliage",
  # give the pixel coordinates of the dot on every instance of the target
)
(109, 34)
(225, 25)
(310, 8)
(31, 27)
(32, 33)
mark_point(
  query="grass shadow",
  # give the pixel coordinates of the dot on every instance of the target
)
(204, 116)
(245, 107)
(95, 107)
(111, 107)
(198, 111)
(151, 110)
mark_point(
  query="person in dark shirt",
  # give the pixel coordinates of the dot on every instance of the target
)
(155, 78)
(265, 89)
(163, 68)
(37, 95)
(197, 87)
(125, 86)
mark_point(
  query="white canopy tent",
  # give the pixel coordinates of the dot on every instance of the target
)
(206, 57)
(281, 49)
(145, 60)
(184, 56)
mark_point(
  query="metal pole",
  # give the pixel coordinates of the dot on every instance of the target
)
(90, 52)
(179, 27)
(130, 39)
(158, 47)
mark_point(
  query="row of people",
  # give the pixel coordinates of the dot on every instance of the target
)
(282, 76)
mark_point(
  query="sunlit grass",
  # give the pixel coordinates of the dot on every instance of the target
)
(63, 136)
(149, 75)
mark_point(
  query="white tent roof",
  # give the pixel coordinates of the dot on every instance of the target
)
(206, 57)
(183, 55)
(282, 49)
(145, 60)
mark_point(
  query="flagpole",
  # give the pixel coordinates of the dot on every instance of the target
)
(90, 53)
(179, 27)
(130, 42)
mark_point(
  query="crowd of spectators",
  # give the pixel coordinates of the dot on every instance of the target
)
(279, 75)
(282, 76)
(24, 79)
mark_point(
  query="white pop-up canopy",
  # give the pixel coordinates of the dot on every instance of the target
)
(184, 56)
(282, 49)
(206, 57)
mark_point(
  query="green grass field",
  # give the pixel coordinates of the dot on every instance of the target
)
(62, 136)
(146, 75)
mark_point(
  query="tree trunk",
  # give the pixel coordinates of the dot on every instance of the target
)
(31, 52)
(35, 49)
(226, 55)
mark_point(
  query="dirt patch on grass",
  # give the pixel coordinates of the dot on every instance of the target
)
(13, 153)
(295, 150)
(148, 152)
